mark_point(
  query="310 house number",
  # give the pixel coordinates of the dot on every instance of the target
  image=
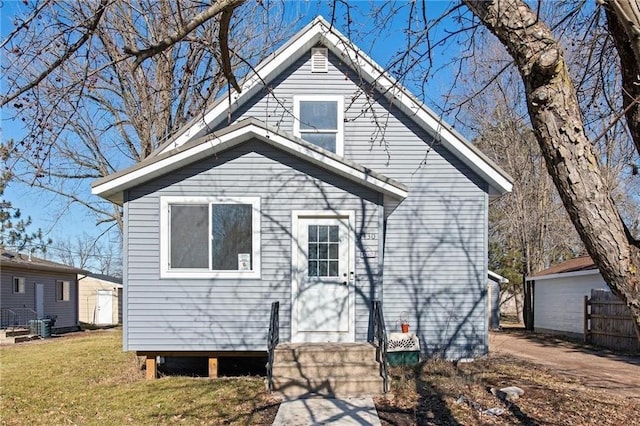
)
(369, 237)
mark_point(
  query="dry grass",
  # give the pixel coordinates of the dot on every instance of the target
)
(430, 395)
(89, 380)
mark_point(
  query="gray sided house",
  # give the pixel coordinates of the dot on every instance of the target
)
(33, 288)
(330, 186)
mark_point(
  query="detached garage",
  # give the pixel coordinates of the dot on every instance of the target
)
(558, 296)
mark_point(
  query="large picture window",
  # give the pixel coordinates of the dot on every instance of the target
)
(319, 120)
(210, 237)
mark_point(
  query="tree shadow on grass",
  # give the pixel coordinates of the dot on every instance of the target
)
(428, 408)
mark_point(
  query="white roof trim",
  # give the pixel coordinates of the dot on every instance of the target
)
(498, 278)
(319, 30)
(112, 187)
(563, 275)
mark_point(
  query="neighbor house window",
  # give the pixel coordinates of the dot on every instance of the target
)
(210, 237)
(18, 284)
(62, 291)
(319, 120)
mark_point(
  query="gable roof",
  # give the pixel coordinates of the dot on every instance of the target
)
(319, 31)
(117, 282)
(112, 187)
(19, 260)
(582, 265)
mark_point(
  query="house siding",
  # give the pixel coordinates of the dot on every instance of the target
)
(233, 314)
(66, 312)
(435, 246)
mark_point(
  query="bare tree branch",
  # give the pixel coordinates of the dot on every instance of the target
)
(170, 40)
(93, 24)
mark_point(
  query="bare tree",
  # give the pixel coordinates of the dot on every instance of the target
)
(89, 253)
(100, 85)
(569, 154)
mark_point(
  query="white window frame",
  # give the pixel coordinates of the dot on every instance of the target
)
(321, 98)
(165, 235)
(20, 281)
(66, 291)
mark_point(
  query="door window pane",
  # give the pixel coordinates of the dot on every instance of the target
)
(231, 233)
(323, 233)
(323, 255)
(189, 236)
(313, 233)
(333, 269)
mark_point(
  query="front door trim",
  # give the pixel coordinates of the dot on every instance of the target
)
(347, 215)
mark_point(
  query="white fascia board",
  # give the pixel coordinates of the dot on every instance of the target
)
(419, 112)
(336, 166)
(563, 275)
(319, 31)
(250, 87)
(498, 278)
(169, 163)
(235, 137)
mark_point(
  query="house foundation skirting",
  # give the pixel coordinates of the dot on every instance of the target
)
(152, 356)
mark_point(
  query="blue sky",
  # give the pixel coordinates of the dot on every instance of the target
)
(62, 221)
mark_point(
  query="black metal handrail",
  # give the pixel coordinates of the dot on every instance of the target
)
(380, 339)
(273, 338)
(11, 318)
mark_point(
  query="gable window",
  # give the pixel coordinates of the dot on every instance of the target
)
(18, 284)
(62, 291)
(319, 120)
(210, 237)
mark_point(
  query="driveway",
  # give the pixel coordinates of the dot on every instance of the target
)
(594, 368)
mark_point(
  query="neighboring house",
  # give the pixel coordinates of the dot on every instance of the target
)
(322, 185)
(100, 299)
(35, 288)
(558, 296)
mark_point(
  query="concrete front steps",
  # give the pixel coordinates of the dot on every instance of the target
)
(326, 369)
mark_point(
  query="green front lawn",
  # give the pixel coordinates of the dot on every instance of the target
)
(87, 379)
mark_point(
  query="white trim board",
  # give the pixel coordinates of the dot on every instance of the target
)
(296, 215)
(319, 31)
(112, 187)
(563, 275)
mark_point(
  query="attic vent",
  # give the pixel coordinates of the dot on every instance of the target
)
(319, 61)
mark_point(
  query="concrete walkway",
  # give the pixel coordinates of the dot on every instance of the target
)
(327, 411)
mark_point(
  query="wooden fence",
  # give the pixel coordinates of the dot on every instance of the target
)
(608, 322)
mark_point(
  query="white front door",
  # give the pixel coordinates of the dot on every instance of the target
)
(105, 307)
(40, 300)
(323, 308)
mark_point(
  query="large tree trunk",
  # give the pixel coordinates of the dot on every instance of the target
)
(629, 55)
(569, 156)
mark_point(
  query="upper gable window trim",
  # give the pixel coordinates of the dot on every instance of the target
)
(302, 126)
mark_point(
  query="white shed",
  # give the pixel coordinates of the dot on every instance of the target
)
(558, 296)
(100, 299)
